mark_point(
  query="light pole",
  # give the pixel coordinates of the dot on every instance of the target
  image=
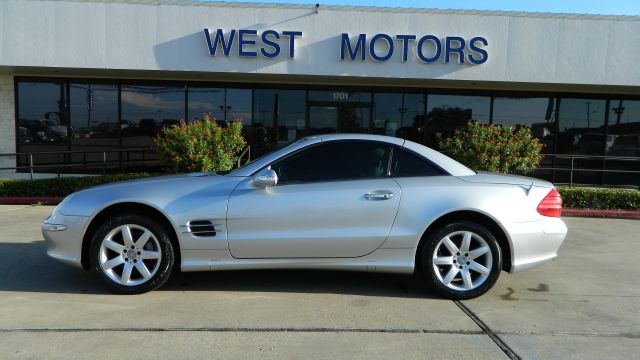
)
(588, 114)
(619, 111)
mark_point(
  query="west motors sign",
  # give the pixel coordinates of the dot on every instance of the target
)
(378, 47)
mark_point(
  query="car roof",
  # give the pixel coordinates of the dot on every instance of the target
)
(446, 163)
(380, 138)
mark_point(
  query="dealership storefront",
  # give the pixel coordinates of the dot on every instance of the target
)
(107, 75)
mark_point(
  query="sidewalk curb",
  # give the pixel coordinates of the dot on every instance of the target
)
(609, 214)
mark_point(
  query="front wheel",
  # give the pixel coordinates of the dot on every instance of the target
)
(133, 254)
(461, 260)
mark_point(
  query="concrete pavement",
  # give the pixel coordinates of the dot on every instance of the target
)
(583, 305)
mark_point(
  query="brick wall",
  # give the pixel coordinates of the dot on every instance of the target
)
(7, 122)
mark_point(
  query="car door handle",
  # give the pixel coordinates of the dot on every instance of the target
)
(379, 195)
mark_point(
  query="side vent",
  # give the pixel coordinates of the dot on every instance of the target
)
(201, 228)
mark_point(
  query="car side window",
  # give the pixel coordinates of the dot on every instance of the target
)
(335, 160)
(407, 164)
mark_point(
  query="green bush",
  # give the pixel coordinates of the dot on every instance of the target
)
(58, 187)
(494, 148)
(200, 146)
(603, 199)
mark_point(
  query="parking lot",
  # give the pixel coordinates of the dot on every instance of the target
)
(586, 304)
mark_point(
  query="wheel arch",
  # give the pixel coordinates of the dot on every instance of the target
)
(469, 215)
(121, 208)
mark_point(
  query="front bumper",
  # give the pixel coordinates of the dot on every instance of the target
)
(535, 243)
(63, 235)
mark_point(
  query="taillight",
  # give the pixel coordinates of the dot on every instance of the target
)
(551, 205)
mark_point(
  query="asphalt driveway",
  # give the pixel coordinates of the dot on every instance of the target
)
(586, 304)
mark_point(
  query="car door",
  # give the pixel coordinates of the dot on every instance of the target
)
(333, 199)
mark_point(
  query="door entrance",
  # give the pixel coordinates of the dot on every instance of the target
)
(338, 118)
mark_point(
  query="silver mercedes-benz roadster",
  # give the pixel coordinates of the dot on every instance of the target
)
(338, 202)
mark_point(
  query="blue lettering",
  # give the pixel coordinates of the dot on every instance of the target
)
(449, 48)
(405, 45)
(242, 42)
(292, 36)
(353, 52)
(372, 47)
(436, 43)
(274, 45)
(226, 46)
(483, 53)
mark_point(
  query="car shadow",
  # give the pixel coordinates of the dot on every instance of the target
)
(25, 267)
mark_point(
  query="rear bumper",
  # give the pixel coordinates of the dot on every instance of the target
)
(63, 235)
(535, 243)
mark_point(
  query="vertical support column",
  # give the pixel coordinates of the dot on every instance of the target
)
(8, 129)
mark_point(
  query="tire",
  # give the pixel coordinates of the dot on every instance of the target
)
(447, 257)
(145, 263)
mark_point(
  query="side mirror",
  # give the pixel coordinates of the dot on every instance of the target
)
(265, 178)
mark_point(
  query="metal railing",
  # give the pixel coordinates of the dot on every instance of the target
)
(576, 165)
(64, 162)
(60, 162)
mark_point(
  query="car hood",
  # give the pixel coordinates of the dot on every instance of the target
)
(496, 178)
(158, 192)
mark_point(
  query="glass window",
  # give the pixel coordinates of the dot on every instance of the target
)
(146, 109)
(538, 114)
(41, 115)
(413, 119)
(387, 118)
(581, 123)
(339, 96)
(406, 164)
(623, 140)
(279, 110)
(239, 104)
(206, 100)
(323, 120)
(446, 113)
(581, 126)
(42, 123)
(338, 160)
(93, 114)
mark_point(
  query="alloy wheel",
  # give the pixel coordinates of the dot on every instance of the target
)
(130, 255)
(462, 260)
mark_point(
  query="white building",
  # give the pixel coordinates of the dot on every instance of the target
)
(94, 75)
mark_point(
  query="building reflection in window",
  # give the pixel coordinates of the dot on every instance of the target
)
(146, 109)
(93, 114)
(413, 118)
(42, 123)
(41, 115)
(206, 100)
(238, 106)
(279, 118)
(582, 132)
(538, 114)
(446, 113)
(387, 118)
(623, 139)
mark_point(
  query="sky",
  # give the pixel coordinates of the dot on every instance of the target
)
(605, 7)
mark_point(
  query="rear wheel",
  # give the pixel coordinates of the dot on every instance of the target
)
(461, 260)
(133, 254)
